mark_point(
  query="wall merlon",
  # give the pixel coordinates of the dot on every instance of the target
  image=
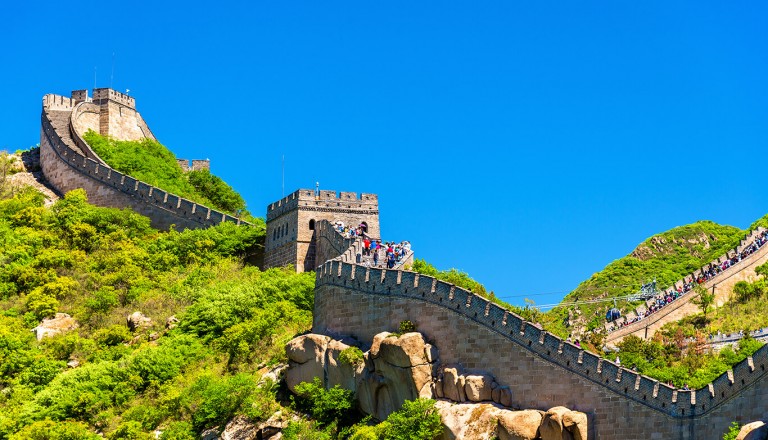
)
(103, 95)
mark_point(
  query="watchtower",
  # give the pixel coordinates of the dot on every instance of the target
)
(291, 223)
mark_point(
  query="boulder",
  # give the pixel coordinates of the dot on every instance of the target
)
(338, 372)
(171, 322)
(519, 425)
(476, 421)
(60, 323)
(241, 428)
(505, 396)
(306, 358)
(137, 321)
(576, 423)
(462, 382)
(307, 347)
(376, 344)
(552, 425)
(405, 351)
(753, 431)
(276, 374)
(451, 384)
(478, 388)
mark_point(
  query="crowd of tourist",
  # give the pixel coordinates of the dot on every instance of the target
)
(393, 252)
(665, 298)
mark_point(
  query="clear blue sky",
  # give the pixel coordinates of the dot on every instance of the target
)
(528, 143)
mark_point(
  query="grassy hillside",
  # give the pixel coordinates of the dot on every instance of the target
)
(666, 257)
(151, 162)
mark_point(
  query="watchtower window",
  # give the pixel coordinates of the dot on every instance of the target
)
(364, 225)
(312, 225)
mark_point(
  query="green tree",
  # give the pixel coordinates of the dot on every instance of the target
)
(704, 299)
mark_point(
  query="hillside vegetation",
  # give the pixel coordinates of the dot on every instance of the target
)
(151, 162)
(216, 326)
(99, 265)
(666, 257)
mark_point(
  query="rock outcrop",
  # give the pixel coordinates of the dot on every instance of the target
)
(395, 369)
(60, 323)
(405, 367)
(137, 321)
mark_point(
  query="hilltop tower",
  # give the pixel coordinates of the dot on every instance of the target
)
(291, 223)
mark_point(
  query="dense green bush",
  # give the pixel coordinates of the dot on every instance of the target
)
(416, 420)
(334, 406)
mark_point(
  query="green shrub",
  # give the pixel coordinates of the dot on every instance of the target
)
(352, 356)
(50, 430)
(333, 406)
(406, 327)
(130, 430)
(416, 420)
(112, 335)
(733, 431)
(178, 431)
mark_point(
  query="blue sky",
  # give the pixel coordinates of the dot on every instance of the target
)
(527, 143)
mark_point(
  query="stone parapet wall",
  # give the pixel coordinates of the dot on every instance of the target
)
(541, 369)
(68, 169)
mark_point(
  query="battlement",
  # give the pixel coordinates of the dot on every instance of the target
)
(104, 95)
(80, 95)
(452, 316)
(197, 164)
(308, 195)
(58, 102)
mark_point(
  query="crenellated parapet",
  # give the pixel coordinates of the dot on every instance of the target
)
(105, 95)
(542, 369)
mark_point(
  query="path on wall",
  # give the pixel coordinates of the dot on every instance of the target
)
(542, 369)
(754, 252)
(68, 163)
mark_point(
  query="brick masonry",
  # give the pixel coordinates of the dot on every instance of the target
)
(68, 162)
(541, 369)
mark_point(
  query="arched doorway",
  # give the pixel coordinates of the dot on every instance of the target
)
(312, 225)
(364, 226)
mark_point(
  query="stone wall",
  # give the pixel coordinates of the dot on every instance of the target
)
(541, 369)
(66, 169)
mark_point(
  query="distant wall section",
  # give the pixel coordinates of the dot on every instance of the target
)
(68, 166)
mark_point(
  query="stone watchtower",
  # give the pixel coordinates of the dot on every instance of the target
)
(291, 223)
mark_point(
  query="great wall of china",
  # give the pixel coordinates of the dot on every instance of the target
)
(353, 299)
(541, 369)
(69, 163)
